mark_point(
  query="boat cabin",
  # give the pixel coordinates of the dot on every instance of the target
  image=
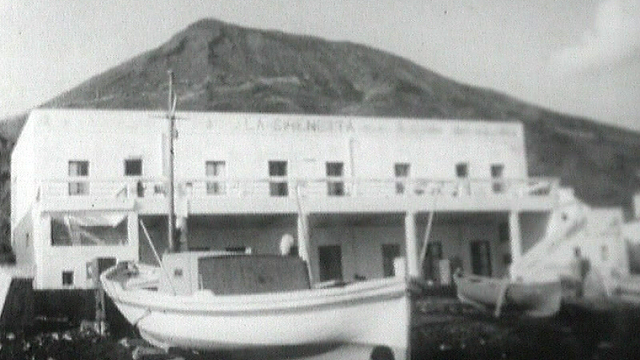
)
(227, 273)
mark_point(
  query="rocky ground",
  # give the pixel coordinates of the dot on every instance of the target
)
(441, 330)
(72, 344)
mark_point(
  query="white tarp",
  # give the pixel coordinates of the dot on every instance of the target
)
(89, 228)
(101, 219)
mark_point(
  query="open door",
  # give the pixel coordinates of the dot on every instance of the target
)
(481, 258)
(330, 257)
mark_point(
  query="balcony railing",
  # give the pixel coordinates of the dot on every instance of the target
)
(204, 188)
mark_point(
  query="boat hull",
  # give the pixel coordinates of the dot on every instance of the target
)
(373, 313)
(533, 299)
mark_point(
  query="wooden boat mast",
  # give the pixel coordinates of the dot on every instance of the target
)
(171, 116)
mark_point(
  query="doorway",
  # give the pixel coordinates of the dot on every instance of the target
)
(431, 265)
(481, 258)
(330, 258)
(389, 253)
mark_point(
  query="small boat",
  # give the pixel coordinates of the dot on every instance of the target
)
(627, 288)
(533, 298)
(533, 287)
(228, 301)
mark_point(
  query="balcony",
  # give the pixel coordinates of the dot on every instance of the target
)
(207, 195)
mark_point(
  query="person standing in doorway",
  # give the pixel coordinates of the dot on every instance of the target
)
(580, 267)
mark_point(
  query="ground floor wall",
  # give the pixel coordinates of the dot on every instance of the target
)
(67, 266)
(260, 238)
(476, 247)
(22, 239)
(356, 252)
(255, 234)
(350, 248)
(347, 247)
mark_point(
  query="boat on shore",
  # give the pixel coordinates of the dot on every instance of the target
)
(256, 302)
(536, 299)
(531, 288)
(627, 288)
(220, 300)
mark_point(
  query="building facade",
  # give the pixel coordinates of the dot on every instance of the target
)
(355, 193)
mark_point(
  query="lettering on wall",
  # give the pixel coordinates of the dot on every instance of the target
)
(339, 125)
(484, 131)
(363, 125)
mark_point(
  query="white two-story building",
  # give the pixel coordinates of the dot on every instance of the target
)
(355, 193)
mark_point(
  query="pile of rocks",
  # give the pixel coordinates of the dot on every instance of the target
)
(61, 345)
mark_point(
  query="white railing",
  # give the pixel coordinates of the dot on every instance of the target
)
(203, 188)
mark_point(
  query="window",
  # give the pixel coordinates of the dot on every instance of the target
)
(277, 168)
(462, 170)
(462, 173)
(78, 188)
(67, 278)
(335, 184)
(216, 170)
(402, 173)
(278, 173)
(78, 169)
(497, 171)
(133, 167)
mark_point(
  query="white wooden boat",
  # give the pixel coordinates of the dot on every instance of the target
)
(240, 307)
(223, 301)
(533, 298)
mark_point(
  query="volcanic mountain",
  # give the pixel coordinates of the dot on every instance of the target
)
(222, 67)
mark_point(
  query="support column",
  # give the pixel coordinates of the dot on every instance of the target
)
(411, 244)
(515, 237)
(303, 241)
(133, 232)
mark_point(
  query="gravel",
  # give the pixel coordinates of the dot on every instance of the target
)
(441, 329)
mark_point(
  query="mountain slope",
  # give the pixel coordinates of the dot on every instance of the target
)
(221, 67)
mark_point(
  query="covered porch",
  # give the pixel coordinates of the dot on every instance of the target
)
(356, 246)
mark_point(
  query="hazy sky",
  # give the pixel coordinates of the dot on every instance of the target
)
(577, 56)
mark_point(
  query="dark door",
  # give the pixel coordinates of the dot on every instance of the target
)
(389, 253)
(431, 266)
(481, 258)
(330, 257)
